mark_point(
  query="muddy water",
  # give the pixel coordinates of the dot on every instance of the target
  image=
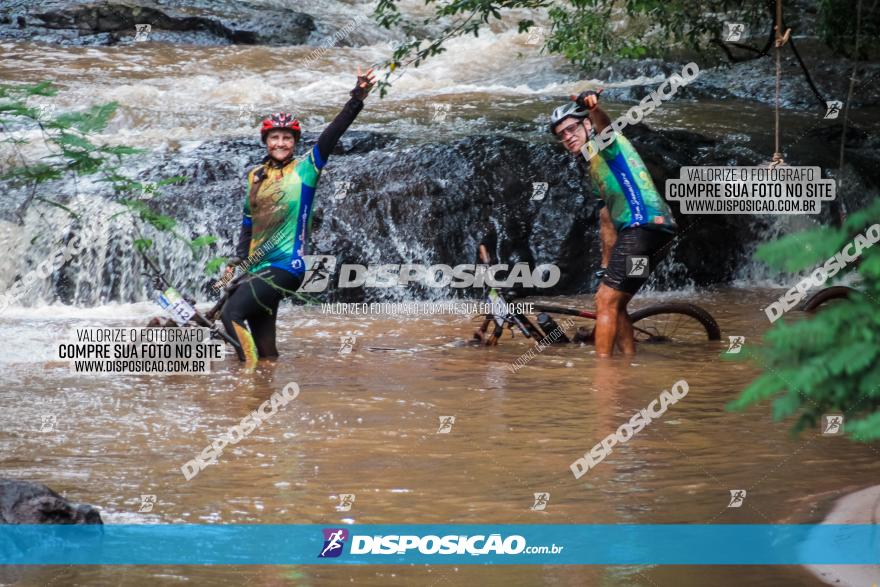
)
(366, 423)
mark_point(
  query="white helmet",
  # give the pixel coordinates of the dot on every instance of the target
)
(567, 110)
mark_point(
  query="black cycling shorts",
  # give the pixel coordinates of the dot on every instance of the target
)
(635, 254)
(254, 304)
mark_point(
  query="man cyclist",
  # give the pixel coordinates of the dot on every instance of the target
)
(634, 221)
(277, 215)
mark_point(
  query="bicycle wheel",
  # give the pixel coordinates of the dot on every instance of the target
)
(823, 296)
(674, 322)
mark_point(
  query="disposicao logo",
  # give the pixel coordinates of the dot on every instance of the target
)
(334, 541)
(320, 268)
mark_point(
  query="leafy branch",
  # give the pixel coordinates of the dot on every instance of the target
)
(588, 32)
(72, 154)
(829, 362)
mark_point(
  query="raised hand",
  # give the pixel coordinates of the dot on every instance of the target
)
(588, 99)
(365, 82)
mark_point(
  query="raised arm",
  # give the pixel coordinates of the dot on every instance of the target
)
(328, 139)
(590, 100)
(599, 118)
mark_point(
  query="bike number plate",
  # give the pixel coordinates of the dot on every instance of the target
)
(178, 308)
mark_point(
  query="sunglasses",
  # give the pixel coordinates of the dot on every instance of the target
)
(564, 133)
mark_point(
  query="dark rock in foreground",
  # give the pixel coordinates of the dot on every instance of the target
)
(22, 502)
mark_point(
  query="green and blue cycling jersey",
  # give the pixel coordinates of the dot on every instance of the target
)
(279, 212)
(622, 182)
(280, 201)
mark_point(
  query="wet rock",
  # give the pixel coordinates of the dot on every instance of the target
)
(753, 80)
(22, 502)
(383, 199)
(108, 22)
(432, 203)
(354, 141)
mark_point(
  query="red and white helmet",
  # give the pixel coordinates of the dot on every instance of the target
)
(280, 120)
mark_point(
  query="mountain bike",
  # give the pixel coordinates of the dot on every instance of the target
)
(825, 296)
(667, 322)
(182, 308)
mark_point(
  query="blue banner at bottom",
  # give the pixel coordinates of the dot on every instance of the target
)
(523, 544)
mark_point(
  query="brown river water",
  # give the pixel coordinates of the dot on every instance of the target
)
(366, 423)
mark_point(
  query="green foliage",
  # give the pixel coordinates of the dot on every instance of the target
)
(794, 253)
(59, 205)
(587, 33)
(68, 137)
(590, 33)
(91, 120)
(143, 244)
(837, 26)
(32, 174)
(828, 362)
(203, 241)
(145, 213)
(213, 266)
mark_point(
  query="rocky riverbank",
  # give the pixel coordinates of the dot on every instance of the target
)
(861, 507)
(22, 502)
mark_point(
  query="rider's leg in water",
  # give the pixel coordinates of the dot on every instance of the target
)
(263, 331)
(234, 316)
(621, 282)
(481, 335)
(609, 303)
(625, 340)
(255, 303)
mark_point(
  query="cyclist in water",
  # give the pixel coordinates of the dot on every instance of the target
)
(277, 215)
(635, 223)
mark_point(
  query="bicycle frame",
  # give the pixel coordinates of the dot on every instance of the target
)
(565, 311)
(199, 319)
(578, 313)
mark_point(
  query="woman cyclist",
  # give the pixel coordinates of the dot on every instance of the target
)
(274, 231)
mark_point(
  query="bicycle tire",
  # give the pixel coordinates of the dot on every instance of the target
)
(703, 317)
(822, 296)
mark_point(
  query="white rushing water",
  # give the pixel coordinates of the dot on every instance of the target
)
(172, 98)
(172, 93)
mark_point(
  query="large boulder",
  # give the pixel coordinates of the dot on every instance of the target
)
(430, 202)
(108, 22)
(23, 502)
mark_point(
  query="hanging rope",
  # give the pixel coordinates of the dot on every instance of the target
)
(765, 51)
(781, 39)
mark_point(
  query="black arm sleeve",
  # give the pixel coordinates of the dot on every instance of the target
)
(244, 242)
(334, 130)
